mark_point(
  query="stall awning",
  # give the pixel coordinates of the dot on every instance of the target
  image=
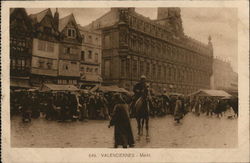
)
(215, 93)
(20, 84)
(56, 87)
(91, 78)
(112, 88)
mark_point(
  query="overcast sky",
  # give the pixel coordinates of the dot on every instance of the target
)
(199, 23)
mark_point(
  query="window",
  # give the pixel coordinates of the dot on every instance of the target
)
(14, 63)
(49, 64)
(82, 55)
(40, 63)
(45, 46)
(147, 69)
(107, 41)
(141, 67)
(27, 63)
(82, 68)
(165, 72)
(90, 54)
(47, 30)
(50, 47)
(68, 50)
(83, 38)
(71, 33)
(90, 38)
(128, 67)
(123, 62)
(107, 68)
(135, 68)
(153, 70)
(96, 70)
(41, 45)
(22, 64)
(96, 57)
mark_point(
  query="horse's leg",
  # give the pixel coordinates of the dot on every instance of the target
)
(142, 124)
(147, 128)
(139, 128)
(138, 125)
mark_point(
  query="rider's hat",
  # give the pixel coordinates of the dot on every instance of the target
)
(143, 77)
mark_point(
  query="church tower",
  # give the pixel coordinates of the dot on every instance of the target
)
(171, 18)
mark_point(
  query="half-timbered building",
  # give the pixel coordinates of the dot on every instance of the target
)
(20, 48)
(70, 50)
(44, 66)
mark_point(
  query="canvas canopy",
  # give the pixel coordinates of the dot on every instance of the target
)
(112, 88)
(175, 94)
(215, 93)
(20, 84)
(56, 87)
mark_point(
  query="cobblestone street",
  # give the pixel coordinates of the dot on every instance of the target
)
(193, 132)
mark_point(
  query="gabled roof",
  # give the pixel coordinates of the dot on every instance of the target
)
(39, 16)
(13, 10)
(64, 21)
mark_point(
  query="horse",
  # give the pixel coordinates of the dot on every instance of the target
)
(142, 115)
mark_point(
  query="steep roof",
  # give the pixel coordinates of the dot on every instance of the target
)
(64, 21)
(39, 16)
(13, 10)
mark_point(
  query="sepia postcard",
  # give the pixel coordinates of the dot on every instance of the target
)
(125, 81)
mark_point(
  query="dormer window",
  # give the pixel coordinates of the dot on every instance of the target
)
(47, 30)
(71, 33)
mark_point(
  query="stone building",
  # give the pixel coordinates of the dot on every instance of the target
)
(91, 56)
(20, 48)
(134, 45)
(69, 51)
(44, 65)
(223, 75)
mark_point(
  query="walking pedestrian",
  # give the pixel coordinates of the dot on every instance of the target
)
(120, 120)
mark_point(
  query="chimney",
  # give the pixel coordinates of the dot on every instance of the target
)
(56, 18)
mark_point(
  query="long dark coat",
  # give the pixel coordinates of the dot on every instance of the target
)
(178, 111)
(123, 131)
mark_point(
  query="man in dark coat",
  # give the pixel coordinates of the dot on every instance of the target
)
(140, 90)
(178, 111)
(26, 107)
(120, 119)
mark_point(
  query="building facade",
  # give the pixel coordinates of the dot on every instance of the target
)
(223, 76)
(69, 51)
(91, 56)
(20, 48)
(44, 65)
(134, 45)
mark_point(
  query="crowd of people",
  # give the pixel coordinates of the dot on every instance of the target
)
(72, 106)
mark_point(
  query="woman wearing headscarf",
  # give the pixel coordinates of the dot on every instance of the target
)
(120, 120)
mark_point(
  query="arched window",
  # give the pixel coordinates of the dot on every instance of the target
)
(83, 38)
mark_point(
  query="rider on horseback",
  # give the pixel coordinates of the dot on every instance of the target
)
(140, 90)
